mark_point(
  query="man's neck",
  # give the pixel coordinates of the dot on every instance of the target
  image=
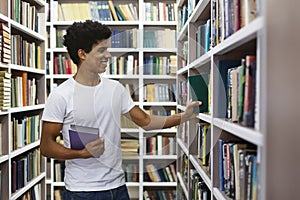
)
(87, 80)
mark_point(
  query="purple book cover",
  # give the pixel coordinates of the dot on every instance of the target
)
(80, 136)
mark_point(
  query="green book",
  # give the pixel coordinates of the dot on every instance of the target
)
(199, 90)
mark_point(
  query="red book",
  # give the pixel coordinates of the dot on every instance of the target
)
(237, 15)
(249, 91)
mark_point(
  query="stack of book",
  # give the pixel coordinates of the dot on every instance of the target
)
(5, 88)
(5, 53)
(130, 147)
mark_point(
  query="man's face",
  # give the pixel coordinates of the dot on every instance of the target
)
(96, 60)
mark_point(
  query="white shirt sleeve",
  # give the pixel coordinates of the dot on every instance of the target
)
(127, 102)
(55, 108)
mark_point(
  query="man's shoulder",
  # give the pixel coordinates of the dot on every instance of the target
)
(64, 86)
(110, 81)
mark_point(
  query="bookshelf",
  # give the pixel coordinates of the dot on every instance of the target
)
(22, 168)
(152, 71)
(259, 37)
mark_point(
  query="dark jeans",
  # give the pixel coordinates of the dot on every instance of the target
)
(119, 193)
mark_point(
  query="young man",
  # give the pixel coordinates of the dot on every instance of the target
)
(92, 101)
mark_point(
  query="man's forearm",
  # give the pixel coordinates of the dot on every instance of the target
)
(58, 151)
(162, 122)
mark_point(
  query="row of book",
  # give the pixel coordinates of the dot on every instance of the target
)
(25, 130)
(5, 41)
(203, 41)
(229, 16)
(183, 16)
(126, 123)
(124, 38)
(239, 83)
(182, 132)
(159, 194)
(24, 169)
(132, 90)
(183, 92)
(165, 38)
(236, 90)
(159, 92)
(238, 169)
(34, 193)
(184, 168)
(23, 90)
(95, 10)
(123, 65)
(119, 38)
(25, 13)
(160, 65)
(59, 37)
(130, 147)
(184, 53)
(203, 143)
(154, 173)
(131, 171)
(159, 145)
(160, 111)
(59, 171)
(160, 11)
(198, 188)
(63, 65)
(25, 53)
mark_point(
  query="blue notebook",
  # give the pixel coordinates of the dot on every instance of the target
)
(81, 135)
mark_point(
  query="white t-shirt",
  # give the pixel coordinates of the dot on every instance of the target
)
(99, 107)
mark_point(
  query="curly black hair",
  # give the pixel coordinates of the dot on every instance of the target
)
(83, 35)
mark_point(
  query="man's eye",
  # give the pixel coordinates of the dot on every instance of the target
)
(101, 50)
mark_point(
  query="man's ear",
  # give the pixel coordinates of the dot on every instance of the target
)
(81, 54)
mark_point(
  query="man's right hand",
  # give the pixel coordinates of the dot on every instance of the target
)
(94, 148)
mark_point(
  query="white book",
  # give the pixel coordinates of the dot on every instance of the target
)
(130, 64)
(37, 192)
(159, 145)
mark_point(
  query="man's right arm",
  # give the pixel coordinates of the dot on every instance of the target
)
(50, 148)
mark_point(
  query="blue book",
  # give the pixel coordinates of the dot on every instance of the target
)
(81, 135)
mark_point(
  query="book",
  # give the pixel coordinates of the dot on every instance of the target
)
(5, 74)
(199, 90)
(249, 91)
(81, 135)
(223, 66)
(112, 10)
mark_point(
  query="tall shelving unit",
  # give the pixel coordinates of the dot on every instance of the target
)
(21, 165)
(134, 165)
(224, 45)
